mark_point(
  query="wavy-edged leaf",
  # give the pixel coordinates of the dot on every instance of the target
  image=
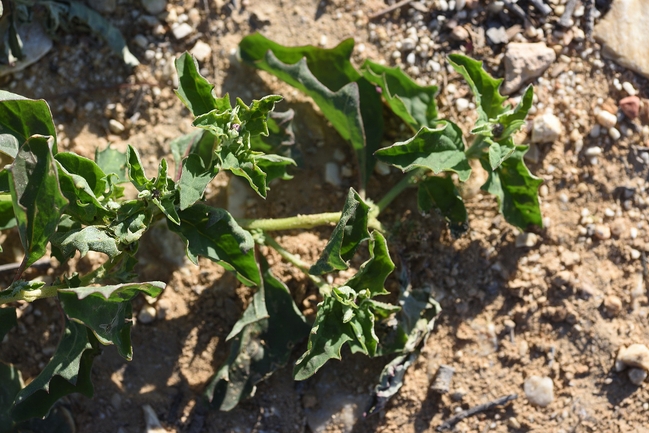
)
(349, 101)
(86, 168)
(485, 88)
(413, 103)
(83, 204)
(440, 193)
(194, 90)
(254, 118)
(280, 137)
(135, 170)
(274, 166)
(107, 310)
(214, 234)
(102, 28)
(133, 219)
(373, 273)
(512, 120)
(439, 150)
(83, 240)
(349, 232)
(516, 190)
(12, 383)
(37, 198)
(67, 372)
(112, 161)
(117, 292)
(20, 118)
(262, 342)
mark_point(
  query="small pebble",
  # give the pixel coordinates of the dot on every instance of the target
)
(411, 58)
(546, 128)
(613, 305)
(381, 168)
(602, 232)
(539, 390)
(115, 126)
(147, 314)
(614, 133)
(526, 240)
(637, 376)
(636, 355)
(323, 40)
(596, 131)
(181, 31)
(606, 119)
(513, 423)
(202, 51)
(70, 106)
(141, 41)
(635, 254)
(461, 104)
(459, 33)
(332, 174)
(593, 151)
(628, 88)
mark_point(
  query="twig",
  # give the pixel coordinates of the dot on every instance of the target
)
(390, 9)
(8, 267)
(566, 18)
(448, 424)
(516, 10)
(589, 18)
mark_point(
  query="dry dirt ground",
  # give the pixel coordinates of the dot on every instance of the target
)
(561, 308)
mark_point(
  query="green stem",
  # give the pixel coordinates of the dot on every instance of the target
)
(296, 222)
(295, 261)
(6, 296)
(396, 190)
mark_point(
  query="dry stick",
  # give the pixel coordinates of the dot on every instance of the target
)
(589, 17)
(14, 266)
(516, 10)
(390, 9)
(566, 18)
(448, 424)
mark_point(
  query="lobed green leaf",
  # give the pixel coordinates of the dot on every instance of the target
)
(22, 118)
(214, 234)
(516, 190)
(37, 198)
(413, 103)
(83, 240)
(349, 232)
(194, 90)
(439, 150)
(112, 161)
(373, 273)
(440, 193)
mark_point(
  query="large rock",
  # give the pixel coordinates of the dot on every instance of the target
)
(623, 33)
(525, 62)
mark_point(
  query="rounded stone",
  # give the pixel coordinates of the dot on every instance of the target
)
(539, 390)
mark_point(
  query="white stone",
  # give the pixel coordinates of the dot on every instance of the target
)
(623, 32)
(526, 240)
(629, 89)
(332, 174)
(525, 62)
(381, 168)
(546, 128)
(154, 7)
(147, 314)
(636, 355)
(606, 119)
(461, 104)
(323, 40)
(115, 126)
(635, 254)
(201, 51)
(593, 151)
(614, 133)
(183, 30)
(411, 58)
(539, 390)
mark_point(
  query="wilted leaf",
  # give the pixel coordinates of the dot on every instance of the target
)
(135, 170)
(440, 193)
(83, 204)
(67, 372)
(102, 28)
(373, 273)
(118, 292)
(262, 342)
(350, 231)
(20, 118)
(133, 219)
(194, 90)
(37, 199)
(439, 150)
(214, 234)
(83, 240)
(516, 189)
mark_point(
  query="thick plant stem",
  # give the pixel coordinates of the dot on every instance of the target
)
(6, 296)
(294, 260)
(296, 222)
(403, 184)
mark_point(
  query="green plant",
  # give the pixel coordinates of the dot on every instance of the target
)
(75, 204)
